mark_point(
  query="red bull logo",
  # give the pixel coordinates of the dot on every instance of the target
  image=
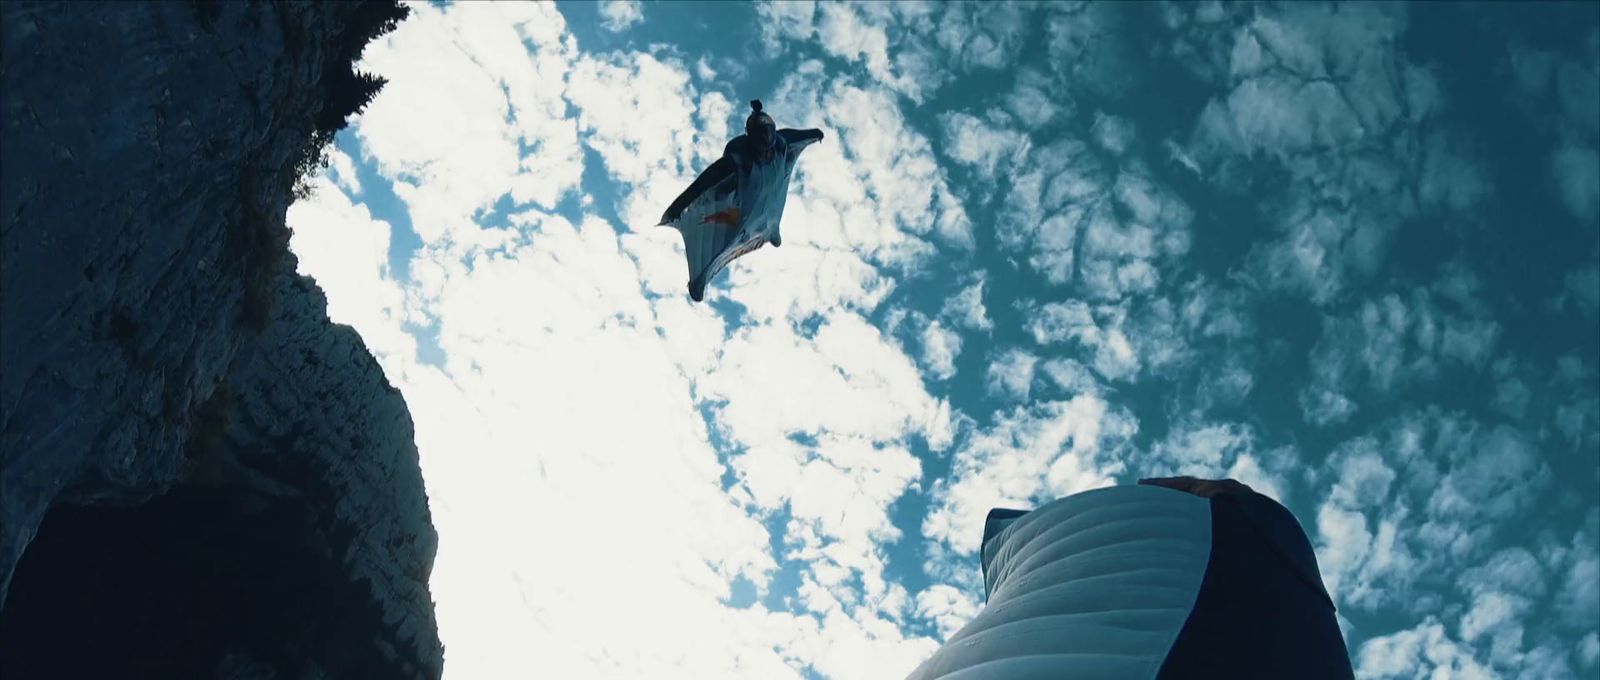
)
(728, 218)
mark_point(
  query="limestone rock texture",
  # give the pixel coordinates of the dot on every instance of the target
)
(200, 474)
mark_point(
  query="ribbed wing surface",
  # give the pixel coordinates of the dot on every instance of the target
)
(713, 233)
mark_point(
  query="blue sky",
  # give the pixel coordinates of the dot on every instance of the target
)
(1348, 254)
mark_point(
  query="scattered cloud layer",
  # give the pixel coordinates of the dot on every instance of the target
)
(1277, 243)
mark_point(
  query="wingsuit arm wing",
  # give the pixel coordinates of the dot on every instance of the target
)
(718, 171)
(797, 139)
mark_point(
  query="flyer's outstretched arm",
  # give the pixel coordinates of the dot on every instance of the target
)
(718, 171)
(800, 138)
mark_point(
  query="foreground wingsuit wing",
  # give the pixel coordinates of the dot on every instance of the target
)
(736, 204)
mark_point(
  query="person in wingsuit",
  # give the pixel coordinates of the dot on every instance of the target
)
(1174, 577)
(736, 204)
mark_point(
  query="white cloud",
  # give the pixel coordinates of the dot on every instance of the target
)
(985, 147)
(948, 607)
(1531, 70)
(1214, 312)
(911, 48)
(1330, 99)
(857, 395)
(1182, 157)
(1011, 374)
(1491, 612)
(1448, 178)
(1351, 560)
(855, 646)
(618, 15)
(1114, 133)
(1578, 601)
(802, 281)
(1030, 455)
(347, 251)
(1494, 479)
(1577, 84)
(1203, 38)
(638, 112)
(965, 309)
(1047, 202)
(1071, 376)
(1576, 420)
(1248, 468)
(1280, 115)
(344, 172)
(713, 112)
(502, 450)
(940, 346)
(1033, 100)
(1217, 450)
(1502, 595)
(987, 38)
(1423, 649)
(1113, 356)
(839, 504)
(1511, 395)
(885, 157)
(1583, 286)
(513, 468)
(704, 70)
(1321, 252)
(1577, 174)
(856, 35)
(1392, 342)
(1407, 508)
(463, 92)
(1201, 450)
(1364, 478)
(847, 378)
(1160, 332)
(1226, 383)
(1118, 259)
(1394, 656)
(794, 20)
(1319, 45)
(1080, 220)
(1088, 48)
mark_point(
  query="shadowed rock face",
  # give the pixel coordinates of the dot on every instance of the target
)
(199, 473)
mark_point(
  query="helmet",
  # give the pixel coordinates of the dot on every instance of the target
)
(760, 128)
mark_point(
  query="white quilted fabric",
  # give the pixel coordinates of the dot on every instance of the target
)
(1094, 585)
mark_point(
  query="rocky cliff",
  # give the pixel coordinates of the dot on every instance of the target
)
(200, 475)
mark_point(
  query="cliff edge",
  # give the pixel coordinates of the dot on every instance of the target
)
(200, 474)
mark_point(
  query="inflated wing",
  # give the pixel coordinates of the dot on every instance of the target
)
(735, 206)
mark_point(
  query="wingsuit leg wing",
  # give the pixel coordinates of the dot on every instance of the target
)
(710, 224)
